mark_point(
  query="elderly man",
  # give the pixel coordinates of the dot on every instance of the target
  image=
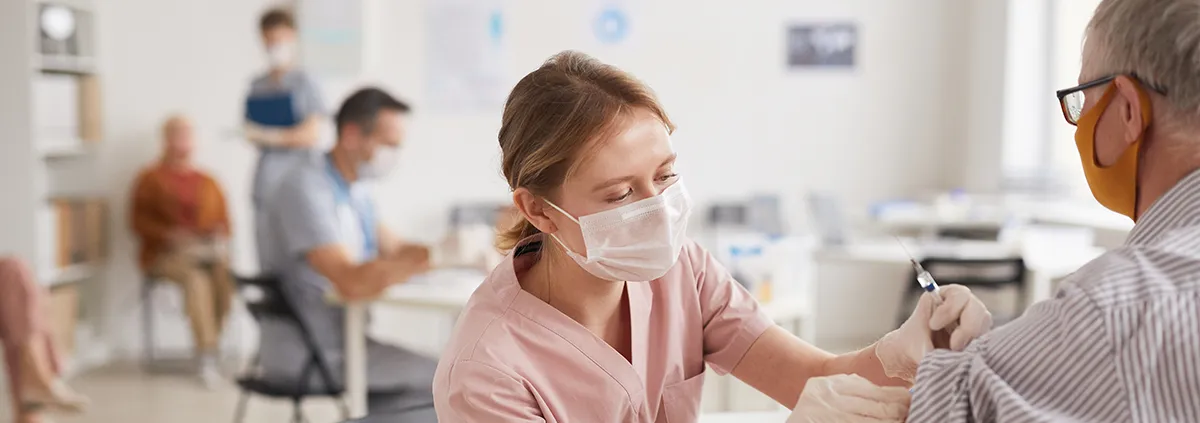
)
(1121, 339)
(179, 214)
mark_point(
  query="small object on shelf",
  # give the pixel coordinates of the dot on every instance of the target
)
(81, 233)
(65, 151)
(64, 39)
(90, 116)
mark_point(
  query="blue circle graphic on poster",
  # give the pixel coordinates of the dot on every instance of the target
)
(496, 25)
(612, 25)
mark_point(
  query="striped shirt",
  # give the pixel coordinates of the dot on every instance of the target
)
(1119, 342)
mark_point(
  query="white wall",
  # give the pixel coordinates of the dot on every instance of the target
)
(885, 129)
(160, 57)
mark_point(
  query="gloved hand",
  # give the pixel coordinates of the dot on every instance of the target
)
(901, 350)
(849, 398)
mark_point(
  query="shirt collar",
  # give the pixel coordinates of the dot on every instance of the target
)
(1178, 208)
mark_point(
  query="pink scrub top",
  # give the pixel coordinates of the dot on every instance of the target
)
(514, 358)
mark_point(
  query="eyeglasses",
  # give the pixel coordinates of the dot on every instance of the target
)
(1071, 100)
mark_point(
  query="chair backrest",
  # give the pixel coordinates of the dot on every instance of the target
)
(265, 299)
(975, 272)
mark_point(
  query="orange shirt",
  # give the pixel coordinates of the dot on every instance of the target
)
(164, 201)
(186, 186)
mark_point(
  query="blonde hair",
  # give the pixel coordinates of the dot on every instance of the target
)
(1157, 40)
(553, 114)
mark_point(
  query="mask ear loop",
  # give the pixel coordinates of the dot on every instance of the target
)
(568, 215)
(550, 280)
(560, 210)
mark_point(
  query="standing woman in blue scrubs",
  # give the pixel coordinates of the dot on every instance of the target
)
(284, 115)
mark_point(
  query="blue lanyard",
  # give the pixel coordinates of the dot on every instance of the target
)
(364, 212)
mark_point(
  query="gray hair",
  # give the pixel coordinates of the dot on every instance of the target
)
(1159, 41)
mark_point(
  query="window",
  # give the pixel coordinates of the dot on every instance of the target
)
(1043, 54)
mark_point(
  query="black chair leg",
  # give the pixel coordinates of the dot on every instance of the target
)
(240, 415)
(297, 412)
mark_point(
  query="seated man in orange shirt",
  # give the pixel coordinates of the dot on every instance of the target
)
(179, 214)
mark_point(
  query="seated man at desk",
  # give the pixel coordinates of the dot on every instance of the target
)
(1120, 341)
(179, 214)
(328, 238)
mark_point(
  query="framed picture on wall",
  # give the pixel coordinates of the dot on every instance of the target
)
(822, 45)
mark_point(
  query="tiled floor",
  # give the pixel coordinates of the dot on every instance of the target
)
(124, 394)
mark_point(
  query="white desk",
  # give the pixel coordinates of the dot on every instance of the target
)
(446, 290)
(1042, 270)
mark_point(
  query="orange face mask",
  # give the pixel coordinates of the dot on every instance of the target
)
(1114, 186)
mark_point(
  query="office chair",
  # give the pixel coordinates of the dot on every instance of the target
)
(265, 300)
(977, 274)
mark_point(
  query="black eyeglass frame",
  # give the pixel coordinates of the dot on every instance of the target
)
(1063, 93)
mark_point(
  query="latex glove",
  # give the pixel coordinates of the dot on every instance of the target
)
(849, 398)
(902, 350)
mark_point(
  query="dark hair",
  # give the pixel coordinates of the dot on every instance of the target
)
(275, 18)
(363, 107)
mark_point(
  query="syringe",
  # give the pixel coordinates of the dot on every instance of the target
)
(927, 283)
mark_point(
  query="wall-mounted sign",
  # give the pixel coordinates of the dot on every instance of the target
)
(823, 45)
(611, 25)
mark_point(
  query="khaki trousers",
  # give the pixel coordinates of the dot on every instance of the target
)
(208, 294)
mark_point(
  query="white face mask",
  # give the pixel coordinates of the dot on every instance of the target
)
(635, 242)
(381, 164)
(281, 55)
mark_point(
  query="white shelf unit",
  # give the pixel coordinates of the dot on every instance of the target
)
(33, 156)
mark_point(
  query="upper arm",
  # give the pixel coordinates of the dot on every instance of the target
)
(304, 209)
(219, 195)
(140, 200)
(476, 392)
(1033, 368)
(312, 102)
(141, 191)
(732, 319)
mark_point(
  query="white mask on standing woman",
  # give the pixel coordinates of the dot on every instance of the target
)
(635, 242)
(281, 55)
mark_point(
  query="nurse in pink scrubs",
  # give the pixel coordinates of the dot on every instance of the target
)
(604, 311)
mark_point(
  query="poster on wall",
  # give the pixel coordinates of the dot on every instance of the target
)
(831, 45)
(466, 56)
(331, 37)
